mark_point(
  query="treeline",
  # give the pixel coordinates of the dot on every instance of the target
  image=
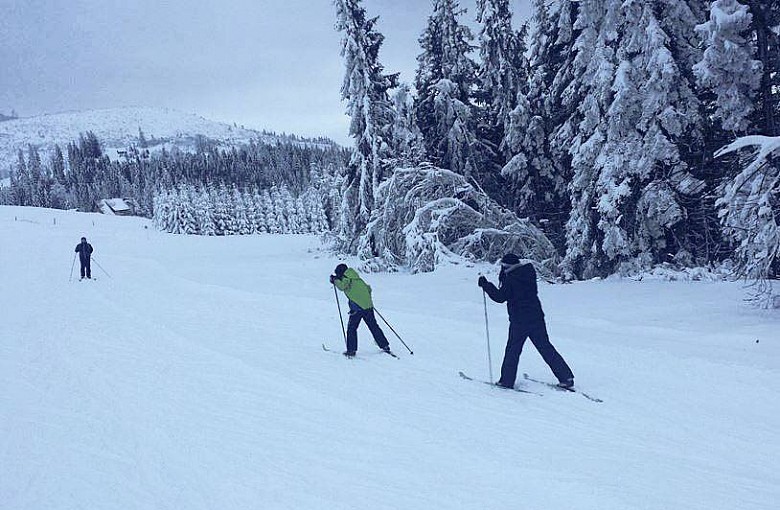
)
(598, 120)
(87, 174)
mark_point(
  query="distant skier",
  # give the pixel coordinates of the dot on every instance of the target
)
(526, 319)
(84, 249)
(361, 308)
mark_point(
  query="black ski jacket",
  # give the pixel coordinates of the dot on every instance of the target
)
(517, 287)
(84, 250)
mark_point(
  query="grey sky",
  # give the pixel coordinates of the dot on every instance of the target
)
(270, 64)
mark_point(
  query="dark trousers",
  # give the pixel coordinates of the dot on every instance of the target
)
(538, 333)
(86, 270)
(355, 316)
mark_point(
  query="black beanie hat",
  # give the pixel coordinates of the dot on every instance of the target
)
(510, 259)
(340, 270)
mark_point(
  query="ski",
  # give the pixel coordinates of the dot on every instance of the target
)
(561, 388)
(328, 349)
(519, 390)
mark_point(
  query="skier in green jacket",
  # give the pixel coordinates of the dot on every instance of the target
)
(361, 308)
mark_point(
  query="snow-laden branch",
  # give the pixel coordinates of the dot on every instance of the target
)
(767, 145)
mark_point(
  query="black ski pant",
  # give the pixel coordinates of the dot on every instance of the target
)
(86, 270)
(537, 332)
(355, 316)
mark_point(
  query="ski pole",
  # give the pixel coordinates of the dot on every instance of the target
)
(101, 267)
(70, 278)
(487, 335)
(338, 304)
(394, 331)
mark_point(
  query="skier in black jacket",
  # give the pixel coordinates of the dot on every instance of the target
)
(526, 319)
(84, 249)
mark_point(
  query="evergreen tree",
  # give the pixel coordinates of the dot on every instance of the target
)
(410, 146)
(766, 33)
(204, 207)
(540, 127)
(365, 88)
(445, 81)
(503, 70)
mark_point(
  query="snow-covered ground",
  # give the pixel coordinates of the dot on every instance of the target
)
(117, 128)
(193, 378)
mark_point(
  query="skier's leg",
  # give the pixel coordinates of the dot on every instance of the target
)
(352, 326)
(514, 346)
(376, 331)
(554, 360)
(89, 268)
(83, 269)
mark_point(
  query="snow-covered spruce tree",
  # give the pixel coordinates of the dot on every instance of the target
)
(409, 144)
(271, 221)
(204, 211)
(766, 34)
(728, 67)
(365, 88)
(257, 212)
(639, 115)
(290, 211)
(750, 213)
(593, 69)
(186, 221)
(278, 218)
(315, 213)
(161, 211)
(502, 73)
(241, 219)
(445, 82)
(538, 133)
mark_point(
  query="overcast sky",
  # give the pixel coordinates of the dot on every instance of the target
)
(271, 64)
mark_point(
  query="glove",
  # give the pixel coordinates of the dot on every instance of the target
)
(482, 281)
(332, 279)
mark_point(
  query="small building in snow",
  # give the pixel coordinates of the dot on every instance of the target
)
(117, 206)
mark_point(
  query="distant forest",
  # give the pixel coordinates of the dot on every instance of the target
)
(81, 175)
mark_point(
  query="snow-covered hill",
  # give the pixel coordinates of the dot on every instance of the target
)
(117, 129)
(193, 378)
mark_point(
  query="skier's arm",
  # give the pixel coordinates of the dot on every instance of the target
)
(342, 284)
(497, 294)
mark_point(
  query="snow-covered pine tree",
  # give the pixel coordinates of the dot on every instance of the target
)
(445, 82)
(728, 67)
(365, 88)
(257, 212)
(185, 210)
(536, 168)
(161, 211)
(639, 116)
(289, 211)
(410, 146)
(592, 69)
(304, 222)
(271, 222)
(315, 212)
(279, 223)
(241, 220)
(223, 211)
(766, 34)
(204, 211)
(503, 71)
(750, 213)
